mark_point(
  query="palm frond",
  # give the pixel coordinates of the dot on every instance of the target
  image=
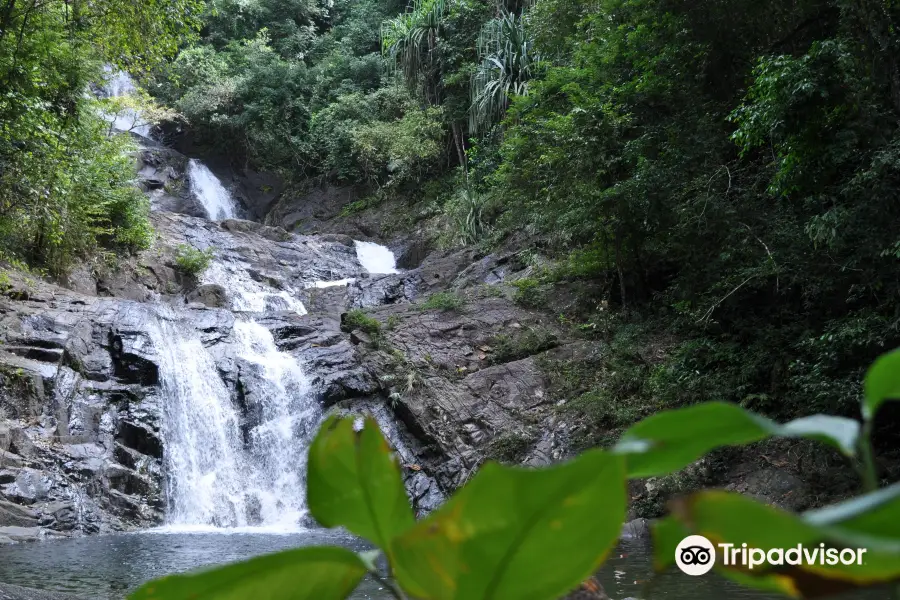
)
(507, 64)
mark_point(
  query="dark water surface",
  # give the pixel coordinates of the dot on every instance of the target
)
(107, 567)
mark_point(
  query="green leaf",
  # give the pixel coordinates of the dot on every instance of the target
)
(669, 441)
(872, 519)
(724, 517)
(317, 573)
(354, 481)
(840, 432)
(667, 533)
(882, 383)
(515, 533)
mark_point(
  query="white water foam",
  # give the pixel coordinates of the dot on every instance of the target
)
(226, 474)
(248, 295)
(328, 284)
(375, 258)
(216, 200)
(204, 458)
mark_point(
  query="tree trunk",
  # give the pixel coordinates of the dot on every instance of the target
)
(459, 143)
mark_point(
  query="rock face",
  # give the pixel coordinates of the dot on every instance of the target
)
(80, 432)
(82, 439)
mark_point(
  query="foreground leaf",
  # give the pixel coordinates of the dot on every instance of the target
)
(669, 441)
(882, 383)
(872, 519)
(724, 517)
(317, 573)
(516, 534)
(354, 481)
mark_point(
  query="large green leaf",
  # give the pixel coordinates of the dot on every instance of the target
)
(515, 533)
(671, 440)
(724, 517)
(882, 383)
(317, 573)
(354, 481)
(873, 519)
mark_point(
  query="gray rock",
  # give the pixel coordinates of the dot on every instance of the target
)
(16, 515)
(22, 534)
(211, 295)
(638, 529)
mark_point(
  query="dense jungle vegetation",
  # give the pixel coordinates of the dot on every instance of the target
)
(726, 170)
(66, 184)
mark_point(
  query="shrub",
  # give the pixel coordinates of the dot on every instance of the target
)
(530, 293)
(192, 261)
(443, 301)
(357, 319)
(528, 342)
(509, 447)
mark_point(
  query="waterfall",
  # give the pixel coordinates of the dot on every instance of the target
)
(228, 468)
(221, 472)
(375, 258)
(247, 295)
(204, 458)
(120, 85)
(208, 189)
(290, 413)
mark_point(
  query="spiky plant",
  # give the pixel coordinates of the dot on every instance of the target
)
(409, 41)
(507, 64)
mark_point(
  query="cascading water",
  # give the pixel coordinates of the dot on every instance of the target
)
(204, 458)
(120, 85)
(289, 413)
(375, 258)
(225, 470)
(247, 295)
(216, 200)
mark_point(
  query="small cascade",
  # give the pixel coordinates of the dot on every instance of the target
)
(222, 472)
(230, 468)
(208, 189)
(246, 294)
(120, 85)
(205, 462)
(375, 258)
(289, 414)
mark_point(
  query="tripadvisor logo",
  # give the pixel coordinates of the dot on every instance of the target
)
(696, 555)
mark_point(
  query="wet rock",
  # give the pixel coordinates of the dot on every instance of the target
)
(311, 210)
(638, 529)
(162, 172)
(359, 337)
(211, 295)
(382, 289)
(22, 534)
(17, 515)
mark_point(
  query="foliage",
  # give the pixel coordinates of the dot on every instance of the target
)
(357, 319)
(66, 182)
(467, 211)
(509, 448)
(191, 261)
(443, 301)
(507, 65)
(522, 344)
(530, 293)
(536, 533)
